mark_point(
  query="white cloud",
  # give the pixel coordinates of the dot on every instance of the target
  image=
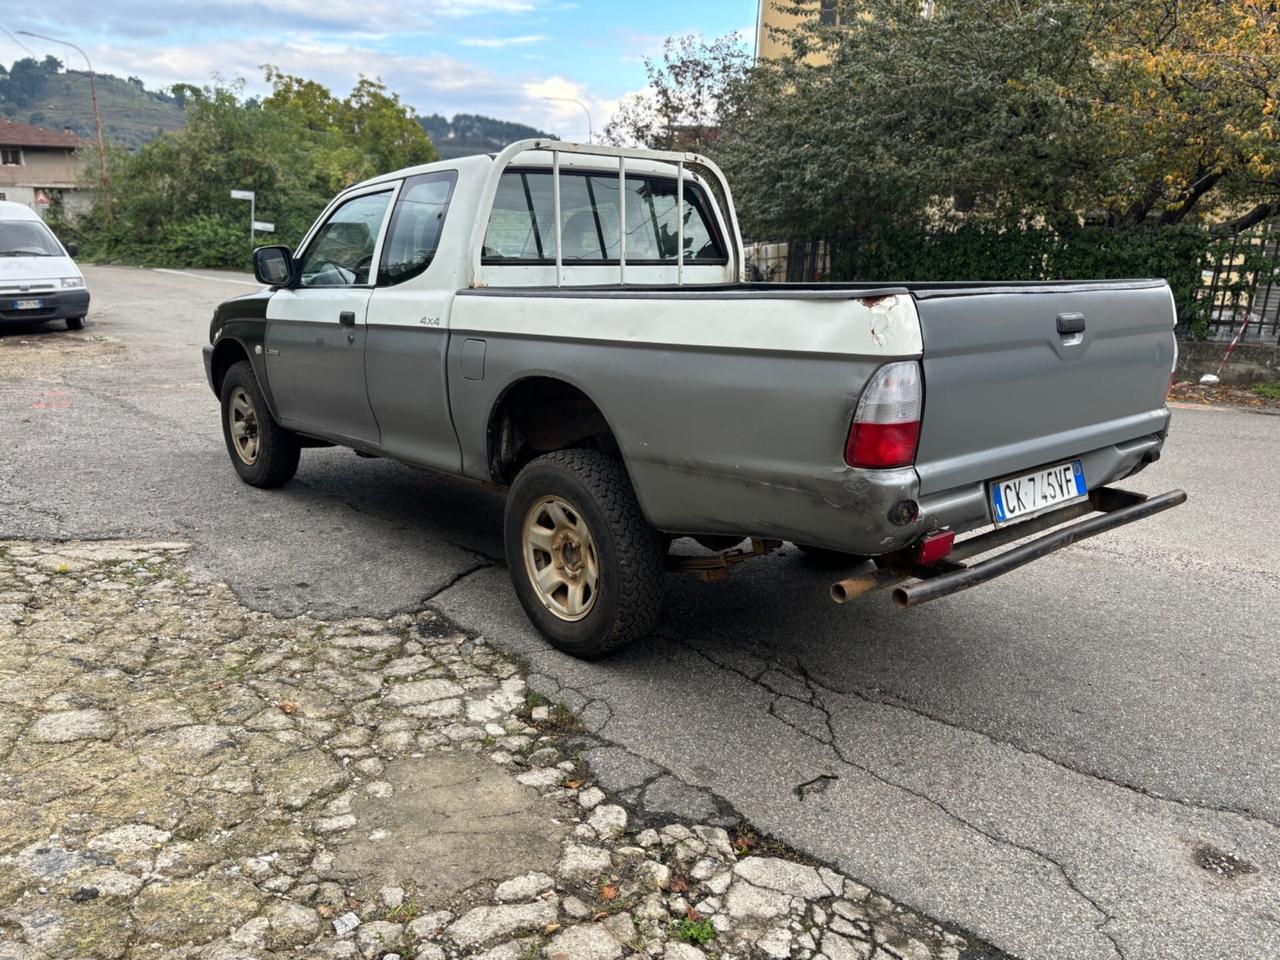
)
(498, 42)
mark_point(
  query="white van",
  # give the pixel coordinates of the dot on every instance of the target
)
(38, 278)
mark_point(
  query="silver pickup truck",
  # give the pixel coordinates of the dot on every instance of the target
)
(570, 323)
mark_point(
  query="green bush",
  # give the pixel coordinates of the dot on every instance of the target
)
(976, 252)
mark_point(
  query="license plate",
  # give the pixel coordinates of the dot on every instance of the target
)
(27, 304)
(1017, 498)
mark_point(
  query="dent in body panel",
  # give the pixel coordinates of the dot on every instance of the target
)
(893, 324)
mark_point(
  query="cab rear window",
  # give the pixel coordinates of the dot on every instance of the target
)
(522, 223)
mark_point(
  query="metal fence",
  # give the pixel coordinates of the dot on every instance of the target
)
(1241, 293)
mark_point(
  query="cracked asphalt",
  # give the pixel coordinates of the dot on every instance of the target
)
(1046, 761)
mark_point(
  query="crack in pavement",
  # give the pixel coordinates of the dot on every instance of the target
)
(815, 701)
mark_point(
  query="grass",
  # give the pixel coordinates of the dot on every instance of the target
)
(405, 913)
(698, 932)
(1268, 391)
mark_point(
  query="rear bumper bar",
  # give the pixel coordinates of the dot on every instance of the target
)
(914, 584)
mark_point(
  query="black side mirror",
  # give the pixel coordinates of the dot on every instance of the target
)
(72, 249)
(273, 266)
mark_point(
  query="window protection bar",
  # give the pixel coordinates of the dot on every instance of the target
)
(681, 160)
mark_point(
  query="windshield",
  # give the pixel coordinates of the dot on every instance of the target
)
(27, 238)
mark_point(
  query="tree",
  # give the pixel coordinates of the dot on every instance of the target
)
(295, 149)
(1056, 112)
(687, 88)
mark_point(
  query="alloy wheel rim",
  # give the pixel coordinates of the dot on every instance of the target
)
(243, 422)
(560, 558)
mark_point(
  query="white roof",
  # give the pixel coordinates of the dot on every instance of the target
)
(9, 210)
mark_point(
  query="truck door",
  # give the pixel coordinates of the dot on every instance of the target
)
(316, 330)
(409, 326)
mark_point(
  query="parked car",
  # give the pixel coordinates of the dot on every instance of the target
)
(38, 278)
(569, 322)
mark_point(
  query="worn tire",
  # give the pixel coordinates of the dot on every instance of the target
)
(823, 557)
(75, 323)
(278, 449)
(630, 554)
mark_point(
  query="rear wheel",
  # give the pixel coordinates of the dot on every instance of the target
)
(264, 453)
(75, 323)
(822, 557)
(586, 566)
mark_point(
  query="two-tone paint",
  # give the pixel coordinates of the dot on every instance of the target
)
(729, 402)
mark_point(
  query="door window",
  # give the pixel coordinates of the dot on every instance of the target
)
(522, 223)
(341, 255)
(415, 228)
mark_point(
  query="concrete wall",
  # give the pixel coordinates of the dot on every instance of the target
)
(1250, 363)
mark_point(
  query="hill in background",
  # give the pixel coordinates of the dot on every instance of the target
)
(469, 133)
(40, 92)
(36, 92)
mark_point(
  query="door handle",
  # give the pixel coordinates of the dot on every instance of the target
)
(1069, 323)
(347, 318)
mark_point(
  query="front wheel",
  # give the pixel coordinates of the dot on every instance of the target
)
(586, 566)
(75, 323)
(264, 453)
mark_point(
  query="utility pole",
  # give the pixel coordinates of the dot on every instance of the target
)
(103, 179)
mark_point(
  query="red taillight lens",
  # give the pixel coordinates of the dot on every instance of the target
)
(886, 425)
(882, 444)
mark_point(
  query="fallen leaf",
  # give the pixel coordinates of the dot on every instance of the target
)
(550, 928)
(600, 915)
(691, 913)
(679, 884)
(609, 892)
(288, 707)
(573, 784)
(216, 685)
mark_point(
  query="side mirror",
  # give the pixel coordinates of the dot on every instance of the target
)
(72, 249)
(273, 266)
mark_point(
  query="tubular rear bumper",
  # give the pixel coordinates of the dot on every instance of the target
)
(914, 584)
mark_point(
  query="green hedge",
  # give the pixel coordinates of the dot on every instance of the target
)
(969, 252)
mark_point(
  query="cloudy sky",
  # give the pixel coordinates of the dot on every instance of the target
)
(497, 57)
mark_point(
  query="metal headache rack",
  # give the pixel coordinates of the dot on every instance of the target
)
(680, 160)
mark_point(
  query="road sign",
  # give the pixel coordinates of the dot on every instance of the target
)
(241, 194)
(262, 226)
(42, 198)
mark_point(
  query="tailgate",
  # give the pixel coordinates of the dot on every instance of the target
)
(1005, 390)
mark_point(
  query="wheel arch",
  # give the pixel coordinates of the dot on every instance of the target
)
(230, 349)
(538, 413)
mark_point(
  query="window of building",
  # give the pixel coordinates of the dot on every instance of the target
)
(522, 224)
(416, 224)
(10, 157)
(827, 12)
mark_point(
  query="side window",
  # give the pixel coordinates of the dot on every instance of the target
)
(415, 228)
(341, 254)
(522, 223)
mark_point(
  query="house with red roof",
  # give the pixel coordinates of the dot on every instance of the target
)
(38, 164)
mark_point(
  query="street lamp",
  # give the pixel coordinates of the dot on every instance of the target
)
(584, 110)
(104, 180)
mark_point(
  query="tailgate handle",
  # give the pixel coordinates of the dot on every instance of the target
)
(1070, 323)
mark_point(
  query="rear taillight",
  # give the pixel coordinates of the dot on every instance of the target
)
(886, 425)
(1173, 371)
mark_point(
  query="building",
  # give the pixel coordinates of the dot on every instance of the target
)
(37, 163)
(773, 23)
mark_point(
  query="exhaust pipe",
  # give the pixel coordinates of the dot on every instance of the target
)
(852, 588)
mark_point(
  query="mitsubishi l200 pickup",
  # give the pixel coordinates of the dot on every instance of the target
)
(570, 322)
